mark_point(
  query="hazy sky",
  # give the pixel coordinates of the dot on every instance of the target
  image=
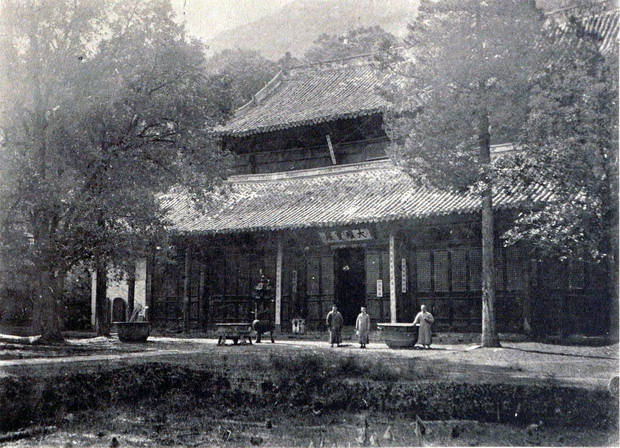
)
(206, 18)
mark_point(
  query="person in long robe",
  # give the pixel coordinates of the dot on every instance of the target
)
(425, 320)
(334, 324)
(362, 327)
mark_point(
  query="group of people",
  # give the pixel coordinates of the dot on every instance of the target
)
(335, 322)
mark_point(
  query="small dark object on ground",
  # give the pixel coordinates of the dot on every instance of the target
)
(456, 432)
(256, 440)
(114, 443)
(263, 326)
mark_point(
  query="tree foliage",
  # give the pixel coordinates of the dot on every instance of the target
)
(358, 41)
(463, 59)
(465, 75)
(239, 74)
(569, 144)
(105, 106)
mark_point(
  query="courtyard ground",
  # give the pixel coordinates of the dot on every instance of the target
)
(181, 419)
(514, 362)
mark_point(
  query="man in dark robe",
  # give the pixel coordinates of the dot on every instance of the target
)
(334, 324)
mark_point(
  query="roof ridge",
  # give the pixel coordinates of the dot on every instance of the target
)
(333, 62)
(313, 172)
(263, 93)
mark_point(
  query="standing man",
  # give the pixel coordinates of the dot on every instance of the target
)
(334, 324)
(424, 319)
(362, 327)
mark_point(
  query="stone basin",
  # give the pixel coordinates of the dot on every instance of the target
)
(399, 335)
(133, 331)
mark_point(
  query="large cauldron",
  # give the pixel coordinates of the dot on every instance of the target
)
(133, 331)
(399, 335)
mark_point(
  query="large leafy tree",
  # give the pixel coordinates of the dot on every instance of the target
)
(467, 70)
(105, 105)
(569, 145)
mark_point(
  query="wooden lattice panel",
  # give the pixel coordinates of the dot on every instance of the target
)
(442, 276)
(459, 270)
(313, 276)
(423, 270)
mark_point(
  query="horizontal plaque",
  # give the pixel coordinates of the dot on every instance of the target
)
(342, 236)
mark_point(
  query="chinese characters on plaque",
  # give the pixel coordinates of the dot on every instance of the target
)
(379, 287)
(348, 235)
(403, 270)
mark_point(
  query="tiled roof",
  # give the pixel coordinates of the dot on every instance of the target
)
(367, 192)
(603, 24)
(311, 94)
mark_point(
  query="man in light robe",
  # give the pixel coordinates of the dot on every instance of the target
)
(334, 324)
(424, 319)
(362, 327)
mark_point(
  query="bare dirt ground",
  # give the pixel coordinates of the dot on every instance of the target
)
(148, 427)
(515, 362)
(176, 420)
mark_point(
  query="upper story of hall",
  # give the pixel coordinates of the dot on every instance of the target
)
(311, 116)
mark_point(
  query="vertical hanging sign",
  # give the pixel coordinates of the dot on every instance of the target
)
(403, 272)
(379, 287)
(279, 282)
(392, 255)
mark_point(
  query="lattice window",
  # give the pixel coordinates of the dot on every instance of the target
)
(385, 271)
(231, 276)
(313, 276)
(459, 270)
(243, 279)
(442, 276)
(327, 275)
(423, 270)
(475, 269)
(577, 275)
(514, 269)
(499, 268)
(373, 271)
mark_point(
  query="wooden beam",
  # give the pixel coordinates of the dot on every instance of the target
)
(331, 150)
(278, 317)
(392, 278)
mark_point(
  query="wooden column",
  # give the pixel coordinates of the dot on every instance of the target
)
(202, 309)
(186, 291)
(527, 266)
(131, 292)
(278, 318)
(392, 278)
(149, 299)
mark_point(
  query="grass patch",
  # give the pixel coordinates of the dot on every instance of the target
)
(303, 384)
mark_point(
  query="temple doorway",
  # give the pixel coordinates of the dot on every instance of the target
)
(119, 310)
(350, 285)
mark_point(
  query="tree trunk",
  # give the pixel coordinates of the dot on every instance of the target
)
(610, 247)
(489, 332)
(102, 318)
(47, 322)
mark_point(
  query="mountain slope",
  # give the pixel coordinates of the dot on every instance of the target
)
(294, 27)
